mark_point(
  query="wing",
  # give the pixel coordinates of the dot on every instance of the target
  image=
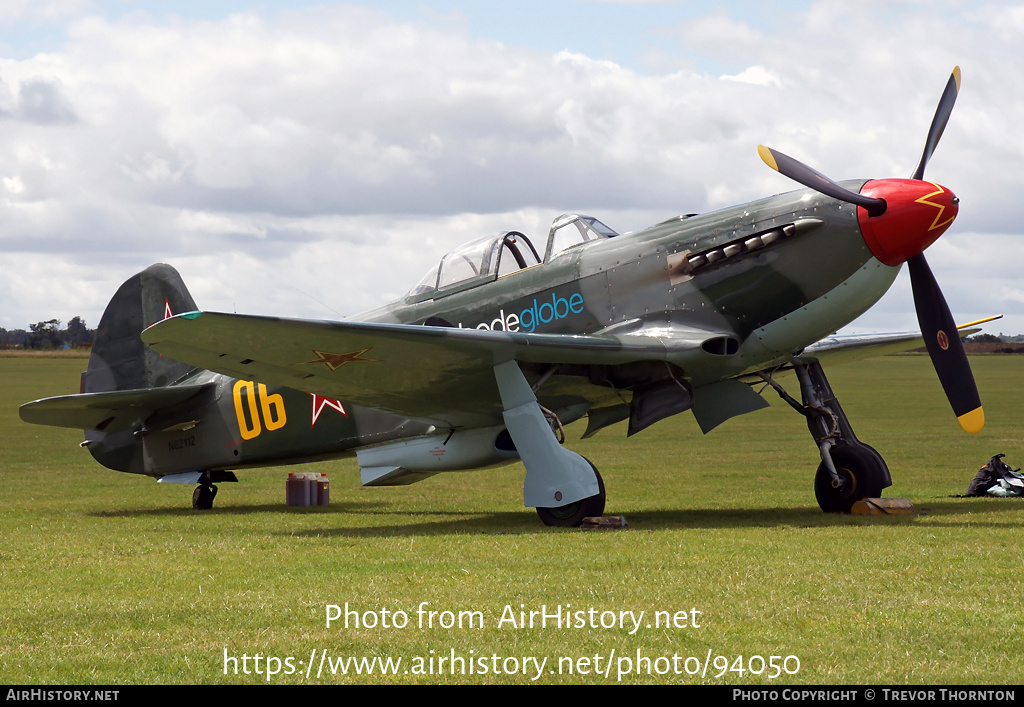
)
(852, 347)
(440, 375)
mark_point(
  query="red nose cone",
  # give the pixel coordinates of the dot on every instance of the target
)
(916, 214)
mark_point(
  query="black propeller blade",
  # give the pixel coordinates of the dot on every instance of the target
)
(799, 172)
(944, 346)
(939, 121)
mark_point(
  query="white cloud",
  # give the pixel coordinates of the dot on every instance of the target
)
(757, 76)
(341, 151)
(11, 10)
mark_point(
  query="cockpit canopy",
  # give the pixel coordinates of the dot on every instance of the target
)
(486, 259)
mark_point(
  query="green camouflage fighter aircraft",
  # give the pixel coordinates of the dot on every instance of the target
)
(484, 360)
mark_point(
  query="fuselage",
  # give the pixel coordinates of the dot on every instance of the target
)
(768, 278)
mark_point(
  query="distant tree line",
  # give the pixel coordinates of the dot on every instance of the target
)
(48, 335)
(993, 339)
(989, 343)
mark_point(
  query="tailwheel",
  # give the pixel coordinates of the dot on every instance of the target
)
(863, 475)
(202, 497)
(572, 514)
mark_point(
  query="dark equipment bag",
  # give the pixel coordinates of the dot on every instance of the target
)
(997, 479)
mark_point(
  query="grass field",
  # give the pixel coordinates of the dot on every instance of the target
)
(112, 578)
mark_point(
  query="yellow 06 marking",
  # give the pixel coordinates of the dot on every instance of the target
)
(253, 404)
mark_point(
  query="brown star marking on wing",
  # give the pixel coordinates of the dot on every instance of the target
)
(335, 361)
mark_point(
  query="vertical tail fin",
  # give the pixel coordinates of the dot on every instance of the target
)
(119, 360)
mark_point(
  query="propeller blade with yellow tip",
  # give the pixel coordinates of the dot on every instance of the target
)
(944, 346)
(799, 172)
(939, 120)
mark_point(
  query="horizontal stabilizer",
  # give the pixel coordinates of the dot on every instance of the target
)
(98, 411)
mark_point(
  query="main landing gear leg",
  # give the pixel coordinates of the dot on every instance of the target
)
(202, 497)
(564, 487)
(850, 470)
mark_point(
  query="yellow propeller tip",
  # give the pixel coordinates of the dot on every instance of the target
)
(767, 156)
(979, 321)
(956, 77)
(972, 421)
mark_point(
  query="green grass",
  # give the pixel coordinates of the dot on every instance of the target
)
(112, 578)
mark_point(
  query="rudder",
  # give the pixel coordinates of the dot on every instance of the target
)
(119, 359)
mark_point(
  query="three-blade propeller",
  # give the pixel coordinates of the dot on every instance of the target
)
(937, 325)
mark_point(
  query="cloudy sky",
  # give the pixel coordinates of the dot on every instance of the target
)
(313, 159)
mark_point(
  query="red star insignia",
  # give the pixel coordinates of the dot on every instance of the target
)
(335, 361)
(320, 402)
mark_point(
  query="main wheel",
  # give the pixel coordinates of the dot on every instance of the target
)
(862, 474)
(572, 514)
(202, 497)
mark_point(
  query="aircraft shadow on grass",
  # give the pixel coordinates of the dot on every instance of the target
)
(250, 509)
(518, 523)
(938, 513)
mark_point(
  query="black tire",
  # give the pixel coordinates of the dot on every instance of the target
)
(864, 475)
(572, 514)
(202, 497)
